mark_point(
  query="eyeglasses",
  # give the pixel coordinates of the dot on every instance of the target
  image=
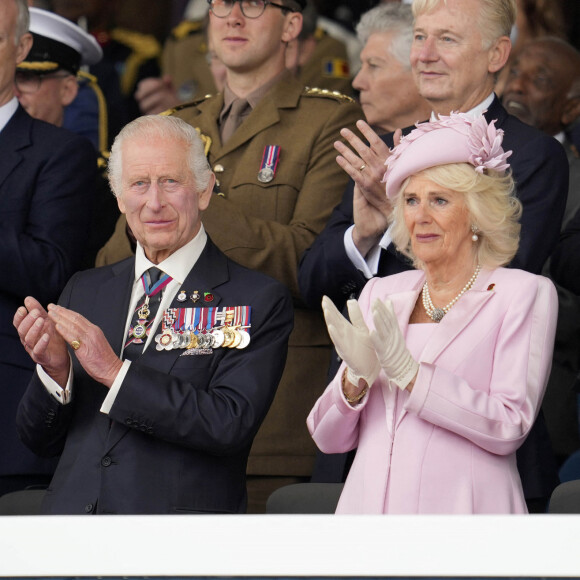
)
(249, 8)
(28, 82)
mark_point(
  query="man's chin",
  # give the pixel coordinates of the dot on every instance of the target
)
(518, 111)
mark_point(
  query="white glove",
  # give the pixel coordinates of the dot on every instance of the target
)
(396, 360)
(352, 341)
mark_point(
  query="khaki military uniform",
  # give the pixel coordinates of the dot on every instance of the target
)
(185, 61)
(267, 226)
(328, 67)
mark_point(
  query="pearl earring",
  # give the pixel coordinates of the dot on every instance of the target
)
(474, 237)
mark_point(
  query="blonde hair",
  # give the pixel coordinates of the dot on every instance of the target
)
(492, 205)
(496, 17)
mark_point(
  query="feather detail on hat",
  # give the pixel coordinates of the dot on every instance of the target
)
(456, 138)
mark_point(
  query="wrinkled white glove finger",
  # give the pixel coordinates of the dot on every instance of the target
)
(337, 339)
(390, 346)
(355, 315)
(352, 341)
(330, 311)
(383, 322)
(386, 313)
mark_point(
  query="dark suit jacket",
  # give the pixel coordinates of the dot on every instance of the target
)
(46, 190)
(540, 170)
(565, 262)
(178, 435)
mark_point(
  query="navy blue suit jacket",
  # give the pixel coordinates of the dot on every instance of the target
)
(565, 262)
(178, 435)
(540, 170)
(47, 177)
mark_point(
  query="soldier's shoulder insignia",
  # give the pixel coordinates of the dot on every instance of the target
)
(184, 106)
(187, 28)
(336, 68)
(205, 139)
(325, 93)
(320, 33)
(145, 45)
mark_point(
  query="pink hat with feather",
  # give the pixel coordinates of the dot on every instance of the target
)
(457, 138)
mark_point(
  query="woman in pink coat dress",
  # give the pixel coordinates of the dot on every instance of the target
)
(444, 367)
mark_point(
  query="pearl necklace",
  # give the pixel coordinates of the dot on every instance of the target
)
(437, 314)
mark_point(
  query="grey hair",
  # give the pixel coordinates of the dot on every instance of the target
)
(22, 20)
(154, 127)
(390, 17)
(496, 17)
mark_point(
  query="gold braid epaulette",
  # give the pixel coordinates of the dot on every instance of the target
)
(187, 28)
(176, 109)
(336, 95)
(93, 83)
(143, 47)
(320, 33)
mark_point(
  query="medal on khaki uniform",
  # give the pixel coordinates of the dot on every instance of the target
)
(270, 159)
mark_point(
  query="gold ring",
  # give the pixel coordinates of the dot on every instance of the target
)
(362, 167)
(76, 344)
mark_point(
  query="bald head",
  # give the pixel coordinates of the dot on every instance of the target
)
(543, 85)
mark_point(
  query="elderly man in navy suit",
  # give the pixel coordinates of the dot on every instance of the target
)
(458, 48)
(46, 190)
(155, 373)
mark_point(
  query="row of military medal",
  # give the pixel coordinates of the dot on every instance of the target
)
(225, 337)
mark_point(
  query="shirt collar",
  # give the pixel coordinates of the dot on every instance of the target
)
(178, 264)
(6, 112)
(255, 96)
(477, 110)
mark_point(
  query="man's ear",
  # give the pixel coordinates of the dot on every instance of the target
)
(292, 26)
(498, 54)
(121, 204)
(571, 111)
(206, 195)
(24, 46)
(69, 90)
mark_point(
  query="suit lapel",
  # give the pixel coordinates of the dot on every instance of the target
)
(209, 272)
(112, 314)
(496, 112)
(14, 137)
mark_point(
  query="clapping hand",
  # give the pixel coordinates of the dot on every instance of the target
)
(90, 345)
(352, 341)
(365, 163)
(42, 341)
(391, 349)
